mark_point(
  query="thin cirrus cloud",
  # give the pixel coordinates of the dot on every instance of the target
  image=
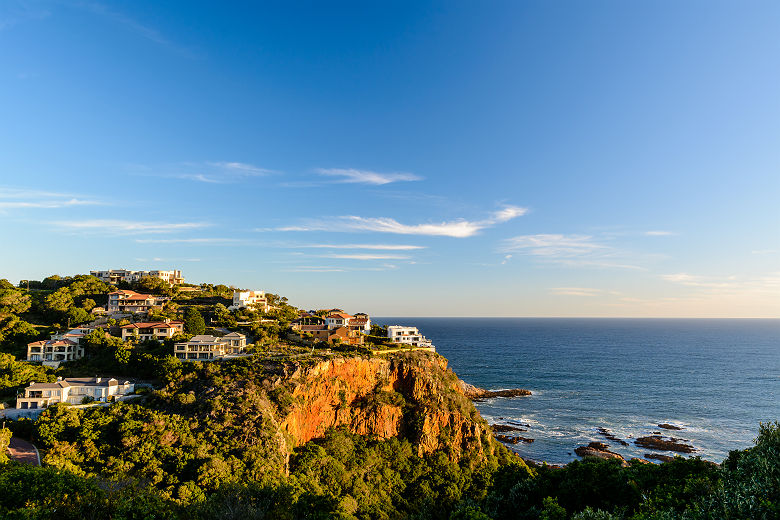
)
(128, 226)
(353, 176)
(15, 198)
(572, 250)
(379, 247)
(458, 228)
(659, 233)
(198, 241)
(220, 172)
(366, 256)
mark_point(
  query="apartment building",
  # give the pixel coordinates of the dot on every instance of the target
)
(157, 330)
(408, 336)
(208, 348)
(114, 276)
(128, 301)
(256, 299)
(72, 390)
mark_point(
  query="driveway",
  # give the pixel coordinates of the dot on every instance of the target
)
(22, 451)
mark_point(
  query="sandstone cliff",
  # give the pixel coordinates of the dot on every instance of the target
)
(410, 395)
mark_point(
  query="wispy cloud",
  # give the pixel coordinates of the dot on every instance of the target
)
(701, 281)
(350, 175)
(143, 30)
(336, 269)
(15, 198)
(128, 226)
(659, 233)
(205, 240)
(458, 228)
(366, 257)
(381, 247)
(552, 245)
(573, 250)
(224, 172)
(575, 291)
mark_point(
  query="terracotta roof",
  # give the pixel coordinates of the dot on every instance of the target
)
(53, 342)
(140, 297)
(153, 324)
(342, 315)
(128, 292)
(358, 321)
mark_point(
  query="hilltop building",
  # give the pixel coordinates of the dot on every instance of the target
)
(125, 300)
(72, 390)
(255, 299)
(114, 276)
(208, 348)
(158, 330)
(408, 336)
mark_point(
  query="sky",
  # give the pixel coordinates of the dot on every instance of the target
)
(502, 158)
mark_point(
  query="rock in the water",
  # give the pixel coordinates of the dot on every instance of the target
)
(473, 392)
(656, 442)
(513, 440)
(667, 426)
(610, 436)
(598, 450)
(506, 428)
(658, 456)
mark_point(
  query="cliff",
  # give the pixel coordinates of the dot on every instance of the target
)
(410, 395)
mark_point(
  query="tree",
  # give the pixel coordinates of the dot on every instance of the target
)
(154, 285)
(88, 304)
(12, 300)
(78, 315)
(5, 438)
(193, 322)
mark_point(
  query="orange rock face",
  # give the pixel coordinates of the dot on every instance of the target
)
(414, 396)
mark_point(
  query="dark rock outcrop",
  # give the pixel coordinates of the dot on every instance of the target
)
(656, 442)
(500, 428)
(513, 440)
(658, 456)
(598, 450)
(610, 436)
(473, 392)
(667, 426)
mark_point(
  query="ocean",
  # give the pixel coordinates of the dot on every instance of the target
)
(716, 379)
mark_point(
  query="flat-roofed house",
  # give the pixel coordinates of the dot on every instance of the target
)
(205, 347)
(256, 299)
(114, 276)
(158, 330)
(408, 336)
(72, 390)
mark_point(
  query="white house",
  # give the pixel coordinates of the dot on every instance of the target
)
(408, 336)
(114, 276)
(243, 299)
(72, 390)
(204, 347)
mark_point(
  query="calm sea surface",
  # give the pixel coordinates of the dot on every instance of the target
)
(715, 378)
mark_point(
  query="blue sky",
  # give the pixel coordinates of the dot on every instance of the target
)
(430, 159)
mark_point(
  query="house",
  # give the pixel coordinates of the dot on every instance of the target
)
(360, 322)
(336, 319)
(72, 390)
(320, 330)
(114, 276)
(408, 336)
(128, 301)
(54, 350)
(158, 330)
(75, 334)
(204, 347)
(242, 299)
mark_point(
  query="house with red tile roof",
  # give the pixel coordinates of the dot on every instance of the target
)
(146, 330)
(125, 300)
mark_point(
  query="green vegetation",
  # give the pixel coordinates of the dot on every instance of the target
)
(207, 442)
